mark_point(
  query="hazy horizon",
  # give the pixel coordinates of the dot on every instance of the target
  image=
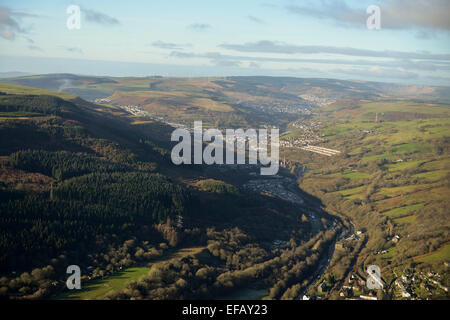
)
(175, 71)
(231, 39)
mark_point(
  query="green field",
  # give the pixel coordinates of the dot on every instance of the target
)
(442, 254)
(397, 212)
(399, 166)
(390, 253)
(437, 165)
(16, 89)
(432, 176)
(356, 175)
(19, 114)
(290, 135)
(402, 106)
(378, 157)
(407, 148)
(397, 191)
(352, 193)
(402, 220)
(98, 289)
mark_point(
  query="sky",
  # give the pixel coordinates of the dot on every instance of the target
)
(320, 39)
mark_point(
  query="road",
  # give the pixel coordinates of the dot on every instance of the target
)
(286, 188)
(325, 261)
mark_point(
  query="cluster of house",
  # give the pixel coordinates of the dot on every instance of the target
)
(351, 290)
(353, 237)
(404, 284)
(134, 110)
(317, 100)
(395, 238)
(404, 287)
(274, 106)
(355, 284)
(103, 100)
(307, 124)
(307, 138)
(298, 141)
(426, 281)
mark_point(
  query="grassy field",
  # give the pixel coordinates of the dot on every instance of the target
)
(423, 196)
(432, 176)
(176, 98)
(401, 190)
(390, 253)
(398, 166)
(408, 148)
(403, 210)
(402, 220)
(356, 175)
(98, 289)
(16, 89)
(378, 157)
(384, 109)
(19, 114)
(351, 192)
(437, 165)
(443, 254)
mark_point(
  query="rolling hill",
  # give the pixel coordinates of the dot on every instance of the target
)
(90, 184)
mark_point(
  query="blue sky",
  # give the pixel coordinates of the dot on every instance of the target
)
(321, 38)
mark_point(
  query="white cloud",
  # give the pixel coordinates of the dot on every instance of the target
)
(395, 14)
(256, 19)
(199, 26)
(267, 46)
(170, 46)
(98, 17)
(10, 23)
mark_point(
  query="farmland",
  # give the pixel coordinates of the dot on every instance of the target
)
(391, 180)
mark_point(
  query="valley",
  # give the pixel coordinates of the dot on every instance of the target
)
(364, 179)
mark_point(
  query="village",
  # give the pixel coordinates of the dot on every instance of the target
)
(407, 285)
(317, 100)
(272, 107)
(305, 135)
(302, 132)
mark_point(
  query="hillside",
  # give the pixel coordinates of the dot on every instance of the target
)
(92, 185)
(392, 179)
(91, 88)
(377, 193)
(226, 102)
